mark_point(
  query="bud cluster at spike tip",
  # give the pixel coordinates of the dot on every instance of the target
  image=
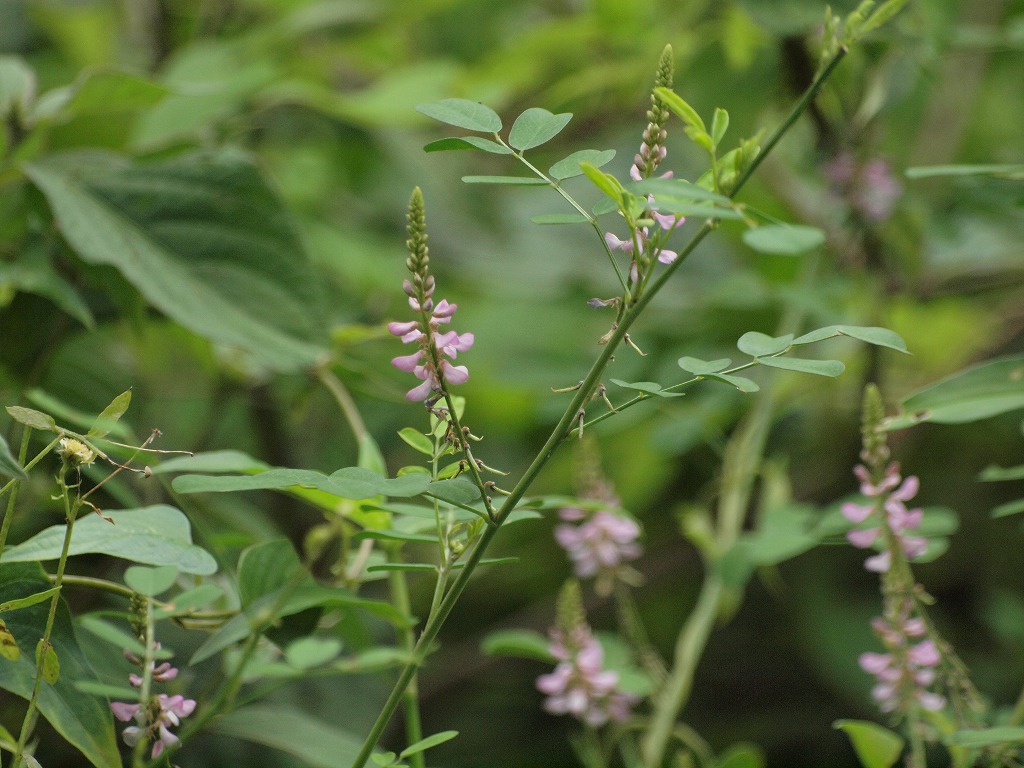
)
(426, 330)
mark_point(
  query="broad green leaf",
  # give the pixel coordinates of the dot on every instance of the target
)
(458, 490)
(758, 344)
(741, 756)
(559, 218)
(741, 383)
(272, 479)
(467, 142)
(979, 392)
(676, 189)
(880, 337)
(523, 643)
(80, 718)
(700, 367)
(315, 743)
(150, 582)
(213, 462)
(988, 737)
(462, 113)
(203, 238)
(993, 473)
(417, 441)
(647, 387)
(108, 417)
(569, 167)
(522, 181)
(695, 210)
(309, 652)
(783, 239)
(876, 747)
(428, 742)
(47, 661)
(1008, 170)
(99, 93)
(830, 368)
(32, 418)
(8, 464)
(536, 126)
(265, 567)
(157, 535)
(24, 602)
(359, 483)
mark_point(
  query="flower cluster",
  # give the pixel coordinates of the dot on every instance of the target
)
(153, 721)
(428, 363)
(890, 494)
(638, 244)
(871, 188)
(598, 543)
(579, 685)
(907, 669)
(652, 148)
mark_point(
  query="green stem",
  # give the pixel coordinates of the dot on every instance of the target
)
(148, 663)
(70, 513)
(561, 430)
(94, 583)
(14, 485)
(413, 726)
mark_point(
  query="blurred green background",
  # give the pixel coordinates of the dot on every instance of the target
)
(321, 93)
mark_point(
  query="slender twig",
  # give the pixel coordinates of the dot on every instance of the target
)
(14, 485)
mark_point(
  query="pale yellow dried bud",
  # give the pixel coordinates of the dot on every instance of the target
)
(75, 453)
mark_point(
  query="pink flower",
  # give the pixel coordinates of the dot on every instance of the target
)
(421, 362)
(889, 495)
(599, 544)
(155, 720)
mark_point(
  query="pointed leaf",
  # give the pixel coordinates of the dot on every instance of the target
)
(523, 643)
(683, 111)
(108, 417)
(700, 367)
(876, 747)
(157, 535)
(741, 383)
(784, 239)
(758, 344)
(417, 441)
(536, 126)
(603, 181)
(428, 742)
(32, 418)
(676, 189)
(8, 464)
(467, 142)
(880, 337)
(569, 167)
(24, 602)
(462, 113)
(830, 368)
(647, 387)
(520, 181)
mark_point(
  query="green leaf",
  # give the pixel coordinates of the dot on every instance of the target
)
(80, 718)
(758, 344)
(114, 635)
(17, 87)
(112, 692)
(647, 387)
(783, 239)
(32, 418)
(1009, 508)
(24, 602)
(394, 536)
(417, 441)
(386, 567)
(988, 737)
(605, 182)
(830, 368)
(741, 383)
(676, 189)
(880, 337)
(993, 473)
(203, 238)
(695, 210)
(8, 645)
(213, 462)
(682, 110)
(1008, 170)
(190, 601)
(309, 652)
(99, 93)
(536, 126)
(266, 567)
(150, 582)
(979, 392)
(157, 535)
(314, 742)
(700, 367)
(489, 561)
(359, 483)
(559, 218)
(458, 490)
(8, 464)
(569, 167)
(47, 661)
(719, 125)
(467, 142)
(741, 756)
(428, 742)
(521, 181)
(108, 417)
(523, 643)
(876, 747)
(462, 113)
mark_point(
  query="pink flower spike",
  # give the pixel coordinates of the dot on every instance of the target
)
(880, 563)
(444, 310)
(907, 490)
(931, 702)
(634, 171)
(914, 546)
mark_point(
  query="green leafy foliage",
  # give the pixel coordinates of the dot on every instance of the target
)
(785, 240)
(8, 463)
(569, 167)
(522, 643)
(463, 113)
(876, 747)
(536, 126)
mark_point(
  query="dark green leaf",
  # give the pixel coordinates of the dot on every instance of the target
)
(385, 567)
(523, 643)
(107, 419)
(467, 142)
(876, 747)
(830, 368)
(758, 344)
(647, 387)
(462, 113)
(82, 719)
(784, 239)
(150, 582)
(213, 462)
(100, 93)
(980, 392)
(458, 490)
(525, 181)
(203, 238)
(700, 367)
(880, 337)
(428, 742)
(32, 418)
(359, 483)
(569, 167)
(47, 661)
(536, 126)
(157, 535)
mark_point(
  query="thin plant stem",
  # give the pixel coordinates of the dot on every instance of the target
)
(345, 402)
(14, 485)
(148, 663)
(564, 426)
(70, 513)
(407, 635)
